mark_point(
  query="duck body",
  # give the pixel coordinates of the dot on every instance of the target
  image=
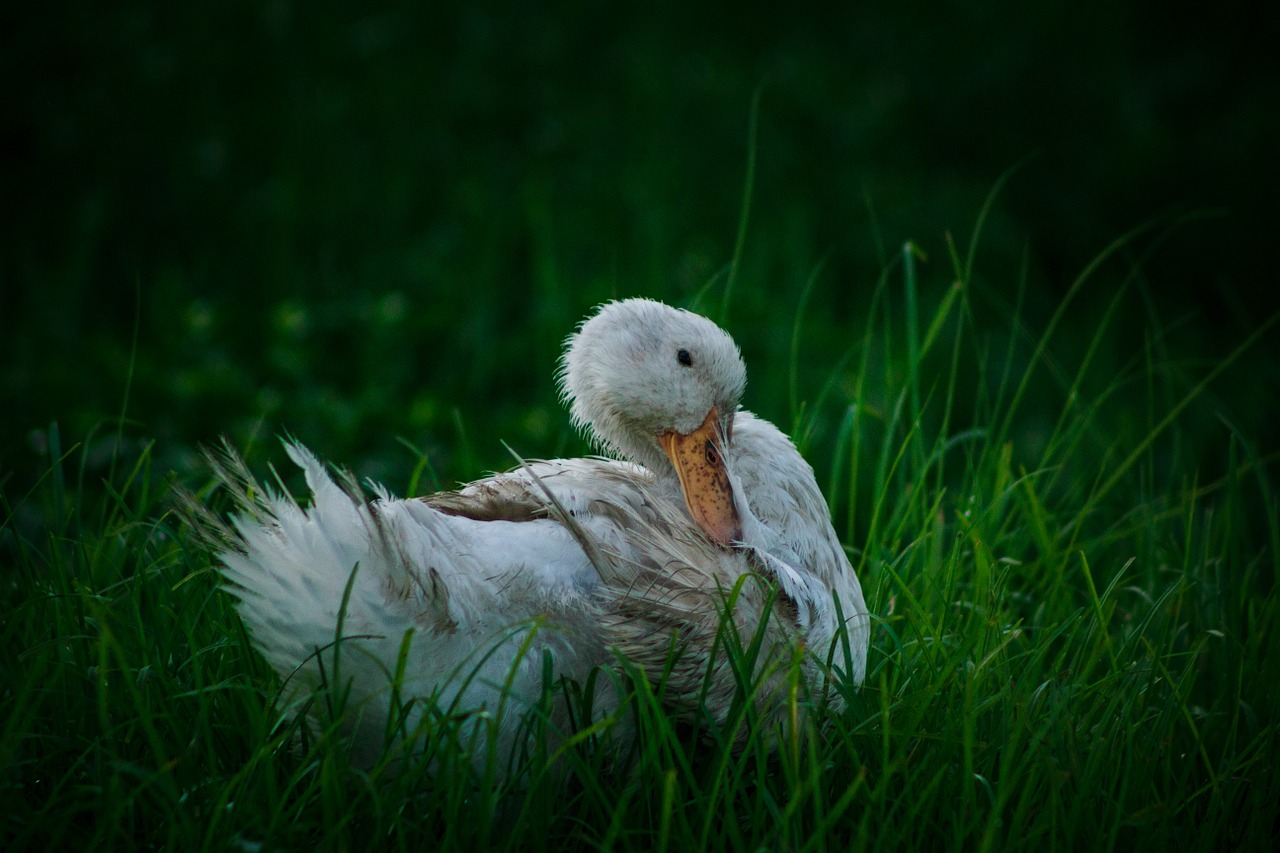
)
(457, 603)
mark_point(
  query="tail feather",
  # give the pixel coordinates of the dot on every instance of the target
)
(319, 482)
(288, 566)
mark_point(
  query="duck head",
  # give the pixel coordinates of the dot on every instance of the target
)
(659, 385)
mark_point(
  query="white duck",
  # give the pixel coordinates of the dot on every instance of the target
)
(458, 597)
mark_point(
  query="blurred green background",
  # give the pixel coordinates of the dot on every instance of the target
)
(358, 222)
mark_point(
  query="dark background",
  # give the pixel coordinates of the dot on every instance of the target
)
(363, 224)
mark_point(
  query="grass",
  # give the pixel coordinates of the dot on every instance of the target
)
(1070, 550)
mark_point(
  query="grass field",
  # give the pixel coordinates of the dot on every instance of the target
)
(1071, 646)
(1038, 392)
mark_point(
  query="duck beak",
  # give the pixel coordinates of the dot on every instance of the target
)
(699, 460)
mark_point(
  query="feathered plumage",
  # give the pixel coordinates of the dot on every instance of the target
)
(459, 597)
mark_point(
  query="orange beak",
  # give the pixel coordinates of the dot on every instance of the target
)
(700, 464)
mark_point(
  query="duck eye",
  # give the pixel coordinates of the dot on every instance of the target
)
(684, 358)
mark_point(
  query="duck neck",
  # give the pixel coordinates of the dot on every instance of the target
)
(653, 458)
